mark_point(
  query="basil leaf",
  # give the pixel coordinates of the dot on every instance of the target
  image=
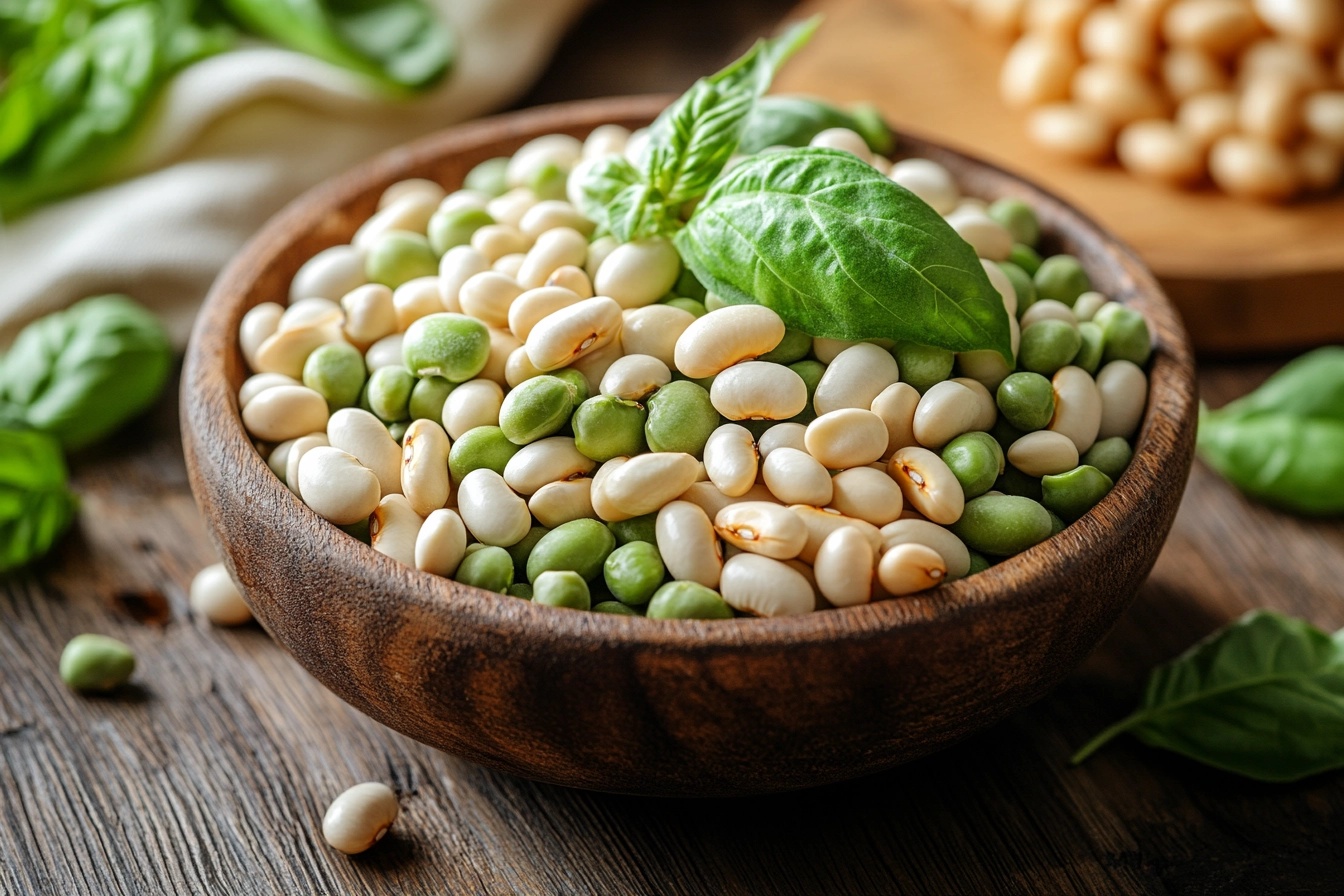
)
(795, 120)
(1263, 697)
(840, 251)
(36, 506)
(631, 214)
(604, 179)
(1296, 463)
(691, 141)
(1309, 386)
(81, 373)
(400, 43)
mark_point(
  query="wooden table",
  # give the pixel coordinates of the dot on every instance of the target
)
(211, 773)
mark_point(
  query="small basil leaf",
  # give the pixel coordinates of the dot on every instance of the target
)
(36, 506)
(691, 141)
(601, 183)
(794, 120)
(634, 213)
(1263, 697)
(840, 251)
(81, 373)
(400, 43)
(1292, 462)
(1309, 386)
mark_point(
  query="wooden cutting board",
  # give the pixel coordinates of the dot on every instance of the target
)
(1248, 277)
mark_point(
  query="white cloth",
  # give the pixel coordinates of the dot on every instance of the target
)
(234, 138)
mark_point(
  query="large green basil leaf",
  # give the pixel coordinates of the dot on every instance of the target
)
(36, 506)
(602, 182)
(1308, 386)
(1264, 698)
(401, 43)
(795, 120)
(81, 373)
(1292, 462)
(840, 251)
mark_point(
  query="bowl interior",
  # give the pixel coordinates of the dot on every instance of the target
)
(345, 610)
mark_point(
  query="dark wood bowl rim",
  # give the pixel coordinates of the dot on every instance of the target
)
(1171, 408)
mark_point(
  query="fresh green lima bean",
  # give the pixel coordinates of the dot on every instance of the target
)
(688, 600)
(561, 588)
(1074, 493)
(633, 572)
(96, 663)
(536, 408)
(581, 546)
(489, 567)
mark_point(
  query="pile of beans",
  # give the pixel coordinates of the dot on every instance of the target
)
(1247, 93)
(478, 390)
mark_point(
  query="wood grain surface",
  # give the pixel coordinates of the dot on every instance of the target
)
(1247, 276)
(210, 775)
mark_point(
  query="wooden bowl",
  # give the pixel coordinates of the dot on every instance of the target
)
(671, 707)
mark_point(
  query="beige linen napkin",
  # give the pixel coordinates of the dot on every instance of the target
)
(235, 137)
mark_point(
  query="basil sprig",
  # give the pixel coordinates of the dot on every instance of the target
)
(839, 250)
(77, 77)
(1284, 443)
(1263, 697)
(36, 506)
(688, 146)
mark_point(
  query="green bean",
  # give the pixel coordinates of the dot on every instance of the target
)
(561, 588)
(1074, 493)
(1002, 525)
(687, 600)
(633, 572)
(581, 546)
(489, 567)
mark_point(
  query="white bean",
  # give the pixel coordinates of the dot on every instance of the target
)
(557, 503)
(370, 314)
(260, 382)
(394, 527)
(952, 549)
(731, 461)
(510, 208)
(796, 477)
(297, 449)
(458, 265)
(686, 540)
(720, 339)
(490, 509)
(987, 237)
(285, 351)
(330, 274)
(896, 405)
(555, 248)
(766, 587)
(635, 377)
(472, 404)
(595, 364)
(519, 367)
(1048, 309)
(535, 304)
(638, 273)
(928, 484)
(781, 435)
(411, 212)
(1077, 406)
(573, 279)
(758, 390)
(386, 352)
(487, 296)
(1043, 453)
(605, 140)
(551, 214)
(707, 497)
(929, 181)
(654, 330)
(843, 139)
(533, 157)
(849, 437)
(1087, 305)
(867, 494)
(424, 466)
(285, 412)
(552, 459)
(844, 567)
(762, 528)
(821, 522)
(945, 411)
(502, 346)
(441, 543)
(258, 325)
(1123, 387)
(910, 568)
(646, 482)
(1037, 70)
(215, 597)
(359, 817)
(568, 334)
(855, 378)
(362, 435)
(429, 190)
(336, 486)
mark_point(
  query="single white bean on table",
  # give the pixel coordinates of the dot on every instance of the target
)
(784, 488)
